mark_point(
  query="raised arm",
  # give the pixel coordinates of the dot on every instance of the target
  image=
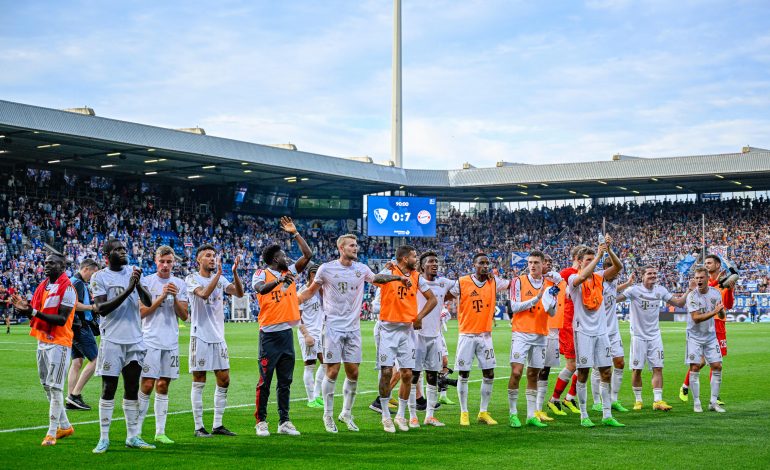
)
(681, 299)
(629, 282)
(236, 288)
(386, 278)
(583, 275)
(23, 307)
(308, 293)
(612, 272)
(104, 307)
(144, 295)
(205, 292)
(307, 254)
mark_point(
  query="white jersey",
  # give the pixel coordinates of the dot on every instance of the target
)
(431, 323)
(207, 317)
(696, 302)
(312, 314)
(343, 293)
(160, 328)
(645, 309)
(123, 325)
(610, 302)
(588, 322)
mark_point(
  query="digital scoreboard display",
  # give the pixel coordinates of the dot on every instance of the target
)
(395, 216)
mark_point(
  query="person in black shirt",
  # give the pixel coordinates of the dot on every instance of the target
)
(83, 341)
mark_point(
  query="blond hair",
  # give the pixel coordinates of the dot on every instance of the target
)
(163, 250)
(342, 239)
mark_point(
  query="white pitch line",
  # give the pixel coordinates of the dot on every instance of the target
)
(35, 428)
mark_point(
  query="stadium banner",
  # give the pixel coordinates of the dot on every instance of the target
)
(396, 216)
(720, 251)
(519, 259)
(742, 302)
(685, 264)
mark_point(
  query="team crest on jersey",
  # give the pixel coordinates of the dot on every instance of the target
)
(106, 366)
(358, 273)
(383, 357)
(146, 368)
(461, 362)
(329, 355)
(692, 357)
(636, 362)
(202, 363)
(441, 284)
(583, 360)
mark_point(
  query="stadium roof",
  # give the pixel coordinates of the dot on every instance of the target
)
(47, 137)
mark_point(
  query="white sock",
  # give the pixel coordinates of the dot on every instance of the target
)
(385, 409)
(595, 380)
(657, 394)
(144, 405)
(486, 393)
(616, 383)
(716, 384)
(566, 375)
(55, 405)
(161, 411)
(220, 403)
(637, 393)
(402, 404)
(413, 402)
(542, 389)
(327, 388)
(131, 412)
(513, 399)
(582, 396)
(695, 386)
(349, 396)
(105, 417)
(462, 393)
(432, 397)
(64, 422)
(531, 403)
(442, 394)
(319, 378)
(308, 377)
(604, 388)
(196, 397)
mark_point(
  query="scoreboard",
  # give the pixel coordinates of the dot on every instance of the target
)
(395, 216)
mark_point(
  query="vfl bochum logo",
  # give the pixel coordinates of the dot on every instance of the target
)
(381, 215)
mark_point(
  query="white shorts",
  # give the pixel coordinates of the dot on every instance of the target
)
(310, 353)
(444, 350)
(478, 346)
(525, 352)
(342, 346)
(161, 363)
(53, 360)
(552, 349)
(697, 349)
(428, 353)
(206, 357)
(396, 344)
(616, 345)
(646, 351)
(592, 351)
(113, 357)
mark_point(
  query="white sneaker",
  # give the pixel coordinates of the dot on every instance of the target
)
(432, 421)
(348, 420)
(696, 407)
(402, 424)
(414, 423)
(329, 425)
(387, 425)
(262, 430)
(716, 407)
(287, 428)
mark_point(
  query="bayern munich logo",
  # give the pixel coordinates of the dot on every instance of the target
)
(423, 217)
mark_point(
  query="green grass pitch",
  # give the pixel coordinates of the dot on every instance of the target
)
(678, 439)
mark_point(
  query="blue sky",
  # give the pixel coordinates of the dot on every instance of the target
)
(486, 80)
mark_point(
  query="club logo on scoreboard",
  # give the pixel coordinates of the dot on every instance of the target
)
(381, 215)
(423, 217)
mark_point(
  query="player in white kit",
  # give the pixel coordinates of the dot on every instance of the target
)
(208, 349)
(592, 343)
(160, 331)
(429, 345)
(611, 290)
(343, 282)
(703, 304)
(646, 342)
(309, 334)
(117, 293)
